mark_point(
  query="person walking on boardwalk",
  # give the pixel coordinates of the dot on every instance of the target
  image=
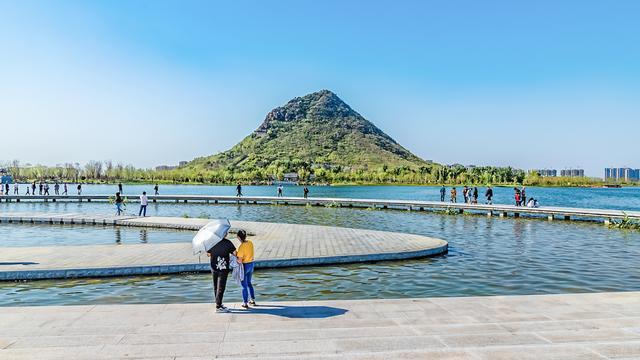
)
(155, 190)
(280, 191)
(119, 202)
(220, 266)
(120, 188)
(15, 189)
(523, 196)
(305, 192)
(46, 189)
(56, 188)
(239, 190)
(465, 194)
(475, 195)
(65, 189)
(245, 256)
(33, 188)
(454, 195)
(27, 193)
(144, 201)
(517, 196)
(489, 195)
(6, 189)
(79, 189)
(40, 188)
(443, 191)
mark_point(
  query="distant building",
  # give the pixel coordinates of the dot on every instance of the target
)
(572, 173)
(547, 172)
(165, 167)
(171, 167)
(622, 174)
(291, 177)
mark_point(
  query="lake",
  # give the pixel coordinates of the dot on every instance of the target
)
(487, 256)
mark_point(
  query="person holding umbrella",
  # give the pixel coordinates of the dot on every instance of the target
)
(212, 240)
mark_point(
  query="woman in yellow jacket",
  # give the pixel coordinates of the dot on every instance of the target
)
(245, 256)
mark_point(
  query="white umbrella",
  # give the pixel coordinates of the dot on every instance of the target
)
(209, 235)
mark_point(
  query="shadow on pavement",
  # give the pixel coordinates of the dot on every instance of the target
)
(295, 312)
(19, 263)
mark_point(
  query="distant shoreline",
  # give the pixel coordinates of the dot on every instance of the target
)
(338, 184)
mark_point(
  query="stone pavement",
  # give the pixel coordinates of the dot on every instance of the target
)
(276, 245)
(578, 326)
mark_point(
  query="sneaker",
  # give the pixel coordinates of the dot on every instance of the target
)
(245, 306)
(252, 302)
(222, 309)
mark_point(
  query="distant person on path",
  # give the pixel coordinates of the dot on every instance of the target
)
(56, 188)
(443, 191)
(305, 192)
(65, 189)
(40, 188)
(239, 190)
(279, 190)
(144, 201)
(155, 189)
(454, 195)
(119, 202)
(245, 256)
(489, 195)
(465, 194)
(120, 188)
(517, 196)
(523, 196)
(220, 267)
(27, 193)
(46, 189)
(15, 189)
(6, 188)
(33, 188)
(79, 189)
(475, 195)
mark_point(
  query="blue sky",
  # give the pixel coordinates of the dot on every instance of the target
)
(538, 84)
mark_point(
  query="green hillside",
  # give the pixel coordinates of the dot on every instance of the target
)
(315, 131)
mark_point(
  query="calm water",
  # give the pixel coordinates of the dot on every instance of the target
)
(488, 256)
(625, 198)
(62, 235)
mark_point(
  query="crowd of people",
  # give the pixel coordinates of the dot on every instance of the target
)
(471, 194)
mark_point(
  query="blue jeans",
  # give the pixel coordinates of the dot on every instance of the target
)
(247, 286)
(143, 210)
(118, 208)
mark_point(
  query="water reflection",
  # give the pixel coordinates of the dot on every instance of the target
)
(143, 236)
(118, 235)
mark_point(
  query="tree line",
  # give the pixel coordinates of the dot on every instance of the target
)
(108, 171)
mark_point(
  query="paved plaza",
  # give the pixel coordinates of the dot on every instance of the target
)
(579, 326)
(277, 245)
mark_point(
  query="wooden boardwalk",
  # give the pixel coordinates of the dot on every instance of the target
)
(549, 212)
(276, 245)
(578, 326)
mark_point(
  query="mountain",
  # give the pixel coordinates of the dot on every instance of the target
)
(316, 130)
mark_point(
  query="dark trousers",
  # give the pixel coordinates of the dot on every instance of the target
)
(143, 210)
(219, 285)
(441, 197)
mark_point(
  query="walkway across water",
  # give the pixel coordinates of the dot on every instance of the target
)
(577, 326)
(276, 245)
(502, 210)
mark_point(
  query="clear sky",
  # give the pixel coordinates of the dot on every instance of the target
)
(528, 84)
